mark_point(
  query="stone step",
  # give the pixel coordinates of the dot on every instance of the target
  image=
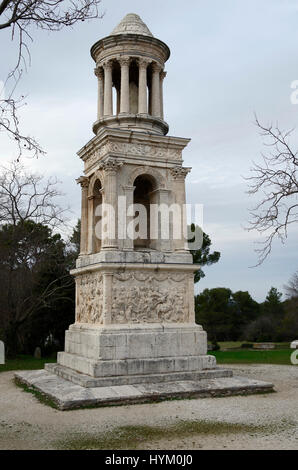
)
(137, 366)
(89, 382)
(67, 395)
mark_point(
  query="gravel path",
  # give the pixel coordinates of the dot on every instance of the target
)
(264, 421)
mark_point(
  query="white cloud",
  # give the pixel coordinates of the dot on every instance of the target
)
(228, 60)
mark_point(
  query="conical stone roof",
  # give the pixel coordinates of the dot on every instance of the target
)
(132, 24)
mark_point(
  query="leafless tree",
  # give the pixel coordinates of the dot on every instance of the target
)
(275, 180)
(20, 16)
(292, 286)
(28, 196)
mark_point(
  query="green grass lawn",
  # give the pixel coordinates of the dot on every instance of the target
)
(246, 356)
(237, 344)
(234, 356)
(26, 363)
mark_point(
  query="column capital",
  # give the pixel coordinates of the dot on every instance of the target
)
(124, 61)
(156, 67)
(163, 75)
(83, 181)
(180, 172)
(160, 191)
(128, 188)
(99, 72)
(108, 64)
(143, 63)
(110, 165)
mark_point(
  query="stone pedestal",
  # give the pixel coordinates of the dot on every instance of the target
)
(135, 320)
(117, 351)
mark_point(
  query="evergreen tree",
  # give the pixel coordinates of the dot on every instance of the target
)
(273, 304)
(203, 257)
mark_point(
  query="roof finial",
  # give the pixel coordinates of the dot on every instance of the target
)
(132, 24)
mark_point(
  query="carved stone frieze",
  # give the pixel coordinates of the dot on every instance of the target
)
(141, 297)
(132, 150)
(89, 298)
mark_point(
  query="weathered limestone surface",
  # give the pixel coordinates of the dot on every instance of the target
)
(108, 294)
(67, 395)
(88, 381)
(128, 350)
(134, 336)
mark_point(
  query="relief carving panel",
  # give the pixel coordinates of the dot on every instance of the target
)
(141, 297)
(89, 298)
(143, 150)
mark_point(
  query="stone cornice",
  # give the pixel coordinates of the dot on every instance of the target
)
(136, 122)
(122, 144)
(135, 266)
(121, 39)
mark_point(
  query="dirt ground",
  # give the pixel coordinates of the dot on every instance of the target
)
(245, 422)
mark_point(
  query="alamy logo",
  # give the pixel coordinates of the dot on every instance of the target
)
(2, 353)
(294, 94)
(294, 357)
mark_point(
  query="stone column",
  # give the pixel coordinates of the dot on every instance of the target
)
(109, 213)
(179, 173)
(127, 219)
(124, 94)
(162, 76)
(143, 104)
(90, 248)
(108, 92)
(84, 182)
(156, 68)
(160, 222)
(118, 100)
(100, 75)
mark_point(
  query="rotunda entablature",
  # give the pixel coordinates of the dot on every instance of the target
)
(130, 45)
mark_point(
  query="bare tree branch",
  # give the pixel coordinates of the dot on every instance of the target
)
(26, 196)
(9, 123)
(292, 286)
(52, 290)
(20, 16)
(276, 181)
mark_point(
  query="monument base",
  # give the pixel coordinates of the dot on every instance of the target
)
(134, 350)
(66, 395)
(122, 364)
(131, 363)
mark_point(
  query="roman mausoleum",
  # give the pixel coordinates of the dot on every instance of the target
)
(134, 334)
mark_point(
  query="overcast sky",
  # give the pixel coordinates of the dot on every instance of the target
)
(228, 60)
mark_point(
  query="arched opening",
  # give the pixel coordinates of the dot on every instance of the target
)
(143, 197)
(97, 210)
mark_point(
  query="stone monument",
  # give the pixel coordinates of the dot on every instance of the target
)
(135, 324)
